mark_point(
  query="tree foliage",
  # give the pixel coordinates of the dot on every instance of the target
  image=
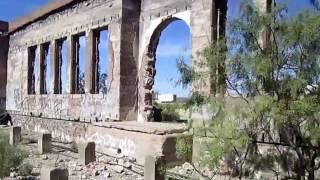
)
(11, 157)
(273, 67)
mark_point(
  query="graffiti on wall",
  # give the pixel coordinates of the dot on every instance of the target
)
(126, 146)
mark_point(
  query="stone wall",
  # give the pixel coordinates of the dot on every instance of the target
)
(155, 17)
(75, 18)
(134, 30)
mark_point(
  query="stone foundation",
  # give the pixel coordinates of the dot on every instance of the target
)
(118, 139)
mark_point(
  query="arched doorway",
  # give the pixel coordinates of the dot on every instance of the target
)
(153, 62)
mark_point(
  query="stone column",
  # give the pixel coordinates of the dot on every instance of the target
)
(91, 58)
(44, 143)
(37, 70)
(41, 69)
(114, 69)
(207, 25)
(55, 67)
(264, 6)
(87, 153)
(129, 60)
(53, 173)
(71, 65)
(155, 168)
(15, 135)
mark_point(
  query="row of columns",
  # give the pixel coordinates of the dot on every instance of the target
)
(56, 58)
(154, 167)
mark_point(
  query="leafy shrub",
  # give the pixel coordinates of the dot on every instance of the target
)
(11, 157)
(184, 148)
(169, 112)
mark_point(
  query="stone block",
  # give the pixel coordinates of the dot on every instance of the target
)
(154, 168)
(52, 173)
(44, 143)
(87, 152)
(15, 135)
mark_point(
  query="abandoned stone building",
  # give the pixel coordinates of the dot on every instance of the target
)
(42, 99)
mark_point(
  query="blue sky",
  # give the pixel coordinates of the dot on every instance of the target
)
(174, 42)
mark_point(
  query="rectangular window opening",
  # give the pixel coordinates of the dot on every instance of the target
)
(32, 55)
(79, 63)
(62, 72)
(101, 61)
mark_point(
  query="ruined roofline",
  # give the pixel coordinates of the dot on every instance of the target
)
(4, 26)
(51, 7)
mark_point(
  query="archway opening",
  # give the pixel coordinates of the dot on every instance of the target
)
(170, 43)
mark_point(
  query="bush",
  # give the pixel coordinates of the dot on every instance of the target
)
(169, 112)
(184, 148)
(11, 157)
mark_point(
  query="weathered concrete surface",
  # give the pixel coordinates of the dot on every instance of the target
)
(44, 143)
(146, 127)
(87, 152)
(51, 173)
(116, 140)
(15, 135)
(155, 168)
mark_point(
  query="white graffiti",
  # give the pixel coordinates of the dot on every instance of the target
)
(56, 134)
(107, 142)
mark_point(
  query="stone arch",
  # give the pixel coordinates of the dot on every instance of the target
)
(148, 70)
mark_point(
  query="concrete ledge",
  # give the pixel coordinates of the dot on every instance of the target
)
(146, 127)
(118, 142)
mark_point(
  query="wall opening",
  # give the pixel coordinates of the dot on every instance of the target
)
(79, 46)
(45, 68)
(169, 44)
(62, 62)
(32, 56)
(174, 45)
(101, 61)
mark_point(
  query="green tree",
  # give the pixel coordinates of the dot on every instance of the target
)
(11, 157)
(278, 82)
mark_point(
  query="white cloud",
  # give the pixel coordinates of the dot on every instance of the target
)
(172, 50)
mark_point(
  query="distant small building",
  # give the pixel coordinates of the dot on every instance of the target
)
(166, 98)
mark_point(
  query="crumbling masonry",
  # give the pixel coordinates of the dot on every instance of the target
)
(134, 28)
